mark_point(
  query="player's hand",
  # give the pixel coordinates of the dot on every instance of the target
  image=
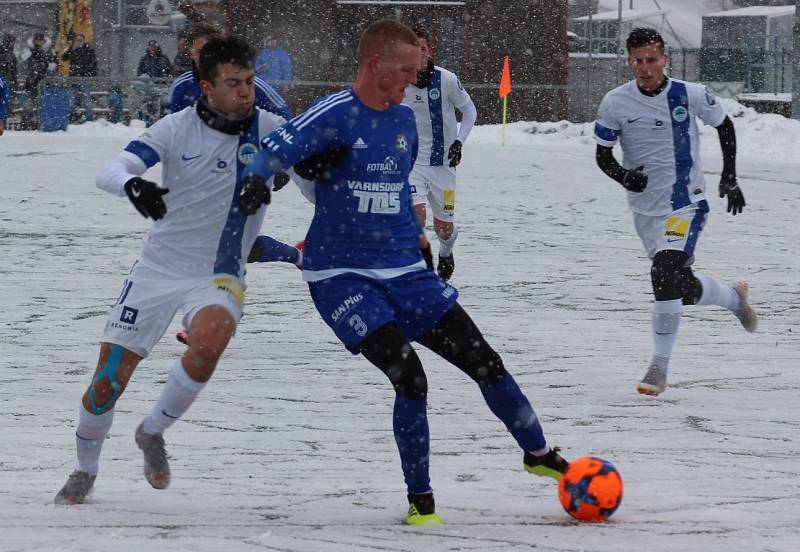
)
(280, 180)
(320, 166)
(254, 194)
(729, 186)
(454, 154)
(635, 180)
(146, 197)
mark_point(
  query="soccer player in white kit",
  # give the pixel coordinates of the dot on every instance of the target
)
(653, 118)
(192, 260)
(435, 97)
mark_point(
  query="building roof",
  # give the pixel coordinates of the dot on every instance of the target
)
(755, 11)
(627, 15)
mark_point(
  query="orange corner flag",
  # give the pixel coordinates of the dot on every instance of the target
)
(505, 80)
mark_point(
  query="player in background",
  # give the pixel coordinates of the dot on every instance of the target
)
(653, 118)
(192, 260)
(185, 89)
(362, 258)
(435, 96)
(3, 104)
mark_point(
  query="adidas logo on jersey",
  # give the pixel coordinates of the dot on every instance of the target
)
(360, 143)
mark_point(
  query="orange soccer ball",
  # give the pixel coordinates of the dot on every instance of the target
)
(591, 489)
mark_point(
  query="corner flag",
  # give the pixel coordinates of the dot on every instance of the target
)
(505, 90)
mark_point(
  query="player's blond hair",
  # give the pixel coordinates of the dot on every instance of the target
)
(382, 36)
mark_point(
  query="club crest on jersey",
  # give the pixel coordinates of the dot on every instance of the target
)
(680, 114)
(434, 94)
(247, 152)
(401, 142)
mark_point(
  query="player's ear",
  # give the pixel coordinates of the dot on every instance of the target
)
(205, 87)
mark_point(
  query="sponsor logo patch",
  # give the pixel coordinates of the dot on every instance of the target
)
(449, 201)
(129, 315)
(676, 227)
(231, 287)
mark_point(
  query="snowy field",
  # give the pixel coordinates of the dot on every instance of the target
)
(290, 447)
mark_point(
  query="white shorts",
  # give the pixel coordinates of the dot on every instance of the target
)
(437, 185)
(149, 300)
(678, 230)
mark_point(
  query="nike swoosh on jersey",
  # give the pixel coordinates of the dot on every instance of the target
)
(189, 158)
(633, 120)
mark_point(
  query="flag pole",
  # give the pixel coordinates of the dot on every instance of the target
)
(505, 112)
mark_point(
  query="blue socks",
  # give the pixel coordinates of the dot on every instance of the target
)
(508, 403)
(410, 424)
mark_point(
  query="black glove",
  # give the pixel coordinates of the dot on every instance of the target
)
(319, 166)
(454, 155)
(280, 180)
(729, 186)
(428, 256)
(146, 197)
(254, 194)
(635, 180)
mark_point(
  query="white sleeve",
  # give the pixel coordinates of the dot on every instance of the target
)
(606, 127)
(122, 168)
(709, 109)
(468, 117)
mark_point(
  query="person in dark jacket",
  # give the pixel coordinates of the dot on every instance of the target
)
(82, 63)
(40, 59)
(154, 63)
(8, 61)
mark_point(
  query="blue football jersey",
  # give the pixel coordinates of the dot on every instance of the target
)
(364, 220)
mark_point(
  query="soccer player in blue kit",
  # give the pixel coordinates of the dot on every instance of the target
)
(654, 119)
(363, 264)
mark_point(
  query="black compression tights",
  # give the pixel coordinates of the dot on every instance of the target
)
(455, 338)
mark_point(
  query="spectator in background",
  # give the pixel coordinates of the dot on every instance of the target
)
(8, 61)
(182, 61)
(82, 63)
(274, 65)
(3, 104)
(40, 59)
(154, 63)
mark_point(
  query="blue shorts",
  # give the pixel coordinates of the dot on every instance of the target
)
(354, 306)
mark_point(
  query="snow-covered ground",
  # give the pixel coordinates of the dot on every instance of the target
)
(290, 446)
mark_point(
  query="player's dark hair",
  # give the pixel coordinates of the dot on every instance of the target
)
(643, 36)
(422, 33)
(217, 51)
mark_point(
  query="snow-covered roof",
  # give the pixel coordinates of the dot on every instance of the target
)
(627, 15)
(753, 11)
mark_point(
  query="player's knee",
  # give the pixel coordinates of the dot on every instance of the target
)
(444, 230)
(106, 386)
(408, 377)
(665, 273)
(483, 365)
(690, 286)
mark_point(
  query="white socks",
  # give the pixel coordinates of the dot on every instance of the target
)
(177, 396)
(666, 320)
(446, 246)
(89, 437)
(717, 294)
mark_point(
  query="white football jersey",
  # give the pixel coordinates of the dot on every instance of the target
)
(434, 109)
(203, 232)
(660, 133)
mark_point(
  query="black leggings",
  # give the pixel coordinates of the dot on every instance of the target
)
(455, 337)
